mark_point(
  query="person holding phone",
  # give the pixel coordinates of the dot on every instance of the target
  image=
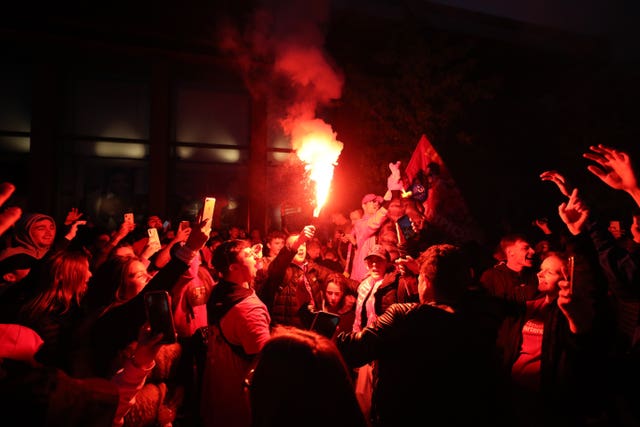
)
(552, 358)
(619, 266)
(339, 298)
(291, 290)
(179, 238)
(114, 304)
(55, 397)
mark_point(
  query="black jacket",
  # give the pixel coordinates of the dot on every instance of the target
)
(432, 365)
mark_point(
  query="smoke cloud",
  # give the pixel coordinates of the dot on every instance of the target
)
(280, 52)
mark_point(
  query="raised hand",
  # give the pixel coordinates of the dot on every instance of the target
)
(125, 228)
(10, 215)
(635, 228)
(73, 230)
(182, 234)
(543, 225)
(613, 167)
(150, 249)
(408, 265)
(559, 180)
(574, 213)
(147, 347)
(72, 216)
(579, 313)
(394, 181)
(198, 235)
(308, 232)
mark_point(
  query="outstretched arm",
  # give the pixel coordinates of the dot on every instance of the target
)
(614, 168)
(559, 180)
(10, 215)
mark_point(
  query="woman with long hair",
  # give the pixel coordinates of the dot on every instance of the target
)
(51, 307)
(300, 378)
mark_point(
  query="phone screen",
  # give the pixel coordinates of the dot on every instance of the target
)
(325, 323)
(207, 211)
(160, 315)
(128, 217)
(153, 235)
(406, 227)
(571, 263)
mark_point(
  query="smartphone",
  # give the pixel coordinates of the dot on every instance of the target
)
(160, 315)
(184, 225)
(570, 264)
(207, 211)
(153, 235)
(406, 227)
(325, 323)
(128, 217)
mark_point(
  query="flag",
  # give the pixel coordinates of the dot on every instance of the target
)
(445, 209)
(423, 154)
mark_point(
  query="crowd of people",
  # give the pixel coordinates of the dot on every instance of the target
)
(540, 331)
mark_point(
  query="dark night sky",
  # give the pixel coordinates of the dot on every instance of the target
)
(616, 20)
(550, 109)
(511, 177)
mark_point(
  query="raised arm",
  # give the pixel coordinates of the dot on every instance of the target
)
(10, 215)
(574, 213)
(559, 180)
(614, 168)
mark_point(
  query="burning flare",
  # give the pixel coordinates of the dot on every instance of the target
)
(316, 145)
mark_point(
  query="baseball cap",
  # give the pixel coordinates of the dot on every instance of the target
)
(379, 251)
(371, 197)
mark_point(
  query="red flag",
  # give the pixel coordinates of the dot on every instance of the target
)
(444, 207)
(421, 157)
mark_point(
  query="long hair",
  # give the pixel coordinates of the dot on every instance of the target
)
(106, 281)
(301, 379)
(61, 285)
(339, 280)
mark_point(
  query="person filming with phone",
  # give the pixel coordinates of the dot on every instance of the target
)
(550, 358)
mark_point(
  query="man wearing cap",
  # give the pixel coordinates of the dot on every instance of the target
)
(364, 231)
(376, 293)
(378, 290)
